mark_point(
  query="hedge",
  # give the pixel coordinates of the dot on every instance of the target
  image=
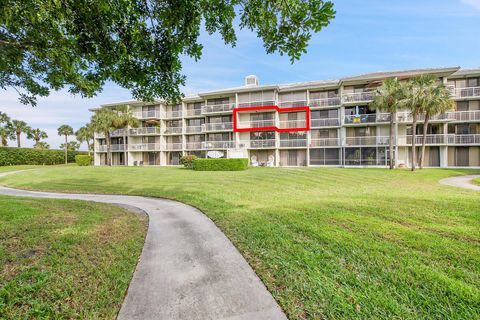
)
(235, 164)
(83, 159)
(17, 156)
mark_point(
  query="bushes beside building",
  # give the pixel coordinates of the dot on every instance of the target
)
(234, 164)
(83, 160)
(32, 156)
(187, 161)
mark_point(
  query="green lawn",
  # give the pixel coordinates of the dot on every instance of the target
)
(62, 259)
(476, 181)
(328, 243)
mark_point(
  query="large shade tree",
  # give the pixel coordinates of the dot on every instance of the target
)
(18, 127)
(37, 135)
(65, 130)
(137, 44)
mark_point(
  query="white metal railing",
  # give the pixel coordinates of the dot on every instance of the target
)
(147, 114)
(173, 146)
(113, 147)
(144, 131)
(144, 147)
(465, 115)
(218, 144)
(430, 139)
(436, 139)
(406, 116)
(367, 141)
(173, 130)
(256, 103)
(293, 124)
(358, 96)
(259, 144)
(256, 124)
(325, 142)
(325, 102)
(193, 129)
(114, 133)
(328, 122)
(194, 145)
(465, 92)
(464, 139)
(220, 126)
(216, 108)
(293, 143)
(173, 114)
(292, 104)
(194, 112)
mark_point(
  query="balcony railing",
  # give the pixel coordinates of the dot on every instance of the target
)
(328, 122)
(173, 114)
(194, 145)
(194, 112)
(325, 142)
(325, 102)
(173, 130)
(441, 139)
(152, 114)
(256, 103)
(193, 129)
(470, 92)
(218, 144)
(405, 116)
(367, 141)
(173, 146)
(114, 133)
(256, 124)
(464, 115)
(260, 144)
(218, 108)
(293, 143)
(144, 147)
(464, 139)
(221, 126)
(364, 96)
(293, 124)
(113, 147)
(145, 131)
(292, 104)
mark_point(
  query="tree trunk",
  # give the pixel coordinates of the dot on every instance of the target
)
(109, 155)
(4, 142)
(18, 140)
(88, 146)
(390, 151)
(414, 136)
(66, 149)
(424, 142)
(124, 148)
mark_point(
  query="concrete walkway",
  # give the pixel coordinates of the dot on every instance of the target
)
(461, 182)
(188, 268)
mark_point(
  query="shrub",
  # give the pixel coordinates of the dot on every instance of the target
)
(187, 161)
(83, 159)
(235, 164)
(18, 156)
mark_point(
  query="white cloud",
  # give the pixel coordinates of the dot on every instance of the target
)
(474, 3)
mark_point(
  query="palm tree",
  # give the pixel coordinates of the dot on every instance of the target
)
(70, 146)
(85, 134)
(19, 127)
(125, 119)
(65, 130)
(42, 145)
(37, 135)
(437, 100)
(5, 129)
(387, 98)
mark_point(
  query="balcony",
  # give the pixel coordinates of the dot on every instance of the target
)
(115, 133)
(366, 118)
(194, 145)
(257, 104)
(292, 104)
(325, 142)
(293, 124)
(193, 112)
(152, 114)
(144, 147)
(145, 131)
(328, 122)
(113, 148)
(256, 124)
(173, 114)
(220, 126)
(218, 144)
(293, 143)
(464, 115)
(461, 93)
(406, 116)
(193, 129)
(173, 146)
(325, 102)
(356, 97)
(218, 108)
(260, 144)
(431, 139)
(173, 130)
(464, 139)
(367, 141)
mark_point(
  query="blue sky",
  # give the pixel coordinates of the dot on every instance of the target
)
(366, 36)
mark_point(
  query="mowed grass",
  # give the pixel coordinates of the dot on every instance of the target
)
(328, 243)
(476, 181)
(62, 259)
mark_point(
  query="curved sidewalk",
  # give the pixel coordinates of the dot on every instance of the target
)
(188, 268)
(461, 182)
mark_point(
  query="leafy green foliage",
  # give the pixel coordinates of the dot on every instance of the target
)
(187, 160)
(36, 135)
(83, 160)
(71, 146)
(49, 44)
(18, 156)
(41, 145)
(17, 127)
(86, 134)
(220, 164)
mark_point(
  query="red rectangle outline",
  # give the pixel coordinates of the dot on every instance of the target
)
(272, 128)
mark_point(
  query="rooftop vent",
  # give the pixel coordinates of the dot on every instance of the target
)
(251, 80)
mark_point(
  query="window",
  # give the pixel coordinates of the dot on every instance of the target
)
(262, 135)
(472, 82)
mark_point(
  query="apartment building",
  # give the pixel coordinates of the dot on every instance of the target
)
(317, 123)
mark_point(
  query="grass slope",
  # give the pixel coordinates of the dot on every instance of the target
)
(62, 259)
(328, 243)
